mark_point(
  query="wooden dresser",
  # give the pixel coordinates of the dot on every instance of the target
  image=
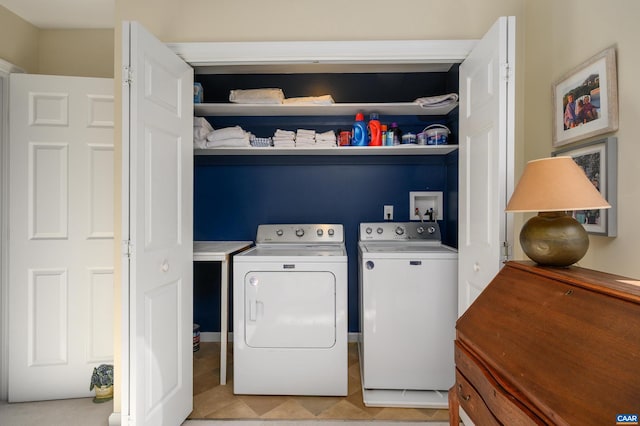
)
(546, 345)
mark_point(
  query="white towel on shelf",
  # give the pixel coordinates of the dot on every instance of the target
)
(437, 101)
(329, 135)
(201, 129)
(310, 100)
(256, 96)
(235, 132)
(229, 143)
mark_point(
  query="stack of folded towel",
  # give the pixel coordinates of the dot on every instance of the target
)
(437, 101)
(201, 129)
(326, 139)
(284, 138)
(256, 96)
(228, 137)
(305, 138)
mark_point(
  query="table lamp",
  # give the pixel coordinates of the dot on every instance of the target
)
(554, 187)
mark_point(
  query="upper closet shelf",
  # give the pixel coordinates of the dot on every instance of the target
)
(400, 108)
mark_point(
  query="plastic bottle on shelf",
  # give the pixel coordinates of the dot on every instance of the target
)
(397, 134)
(360, 136)
(375, 130)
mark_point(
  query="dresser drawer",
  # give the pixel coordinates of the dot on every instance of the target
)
(479, 390)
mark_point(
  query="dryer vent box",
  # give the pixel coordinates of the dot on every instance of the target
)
(425, 200)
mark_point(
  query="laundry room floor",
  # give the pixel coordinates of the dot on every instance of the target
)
(214, 401)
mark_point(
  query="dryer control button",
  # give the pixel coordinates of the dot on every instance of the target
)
(299, 232)
(420, 229)
(368, 230)
(369, 265)
(319, 232)
(431, 229)
(379, 230)
(279, 232)
(330, 232)
(399, 230)
(253, 281)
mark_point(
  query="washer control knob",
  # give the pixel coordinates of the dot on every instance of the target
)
(299, 232)
(320, 232)
(330, 232)
(431, 229)
(420, 229)
(369, 265)
(368, 230)
(279, 232)
(399, 230)
(379, 231)
(253, 281)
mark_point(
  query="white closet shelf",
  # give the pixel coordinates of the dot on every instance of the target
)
(409, 149)
(398, 108)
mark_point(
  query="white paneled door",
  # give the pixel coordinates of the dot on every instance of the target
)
(61, 234)
(487, 97)
(158, 221)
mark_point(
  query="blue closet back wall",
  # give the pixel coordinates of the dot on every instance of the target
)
(233, 195)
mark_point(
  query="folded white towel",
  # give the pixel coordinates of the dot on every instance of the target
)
(310, 100)
(284, 133)
(201, 122)
(326, 136)
(235, 132)
(229, 143)
(437, 101)
(256, 96)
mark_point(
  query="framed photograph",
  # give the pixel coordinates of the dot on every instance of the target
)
(599, 160)
(585, 100)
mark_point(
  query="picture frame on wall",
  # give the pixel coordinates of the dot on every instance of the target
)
(585, 100)
(599, 160)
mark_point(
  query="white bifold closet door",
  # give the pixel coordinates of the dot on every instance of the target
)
(61, 234)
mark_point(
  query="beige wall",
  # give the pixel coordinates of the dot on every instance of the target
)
(18, 41)
(84, 53)
(87, 53)
(559, 36)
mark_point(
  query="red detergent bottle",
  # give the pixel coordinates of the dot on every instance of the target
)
(375, 130)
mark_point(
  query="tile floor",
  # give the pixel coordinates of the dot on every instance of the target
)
(213, 401)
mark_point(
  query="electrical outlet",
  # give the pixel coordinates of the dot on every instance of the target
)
(388, 212)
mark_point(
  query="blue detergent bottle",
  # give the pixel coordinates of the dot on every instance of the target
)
(359, 134)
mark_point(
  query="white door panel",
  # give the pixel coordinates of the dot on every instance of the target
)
(61, 234)
(158, 220)
(486, 158)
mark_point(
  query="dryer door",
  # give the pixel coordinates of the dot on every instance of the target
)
(290, 309)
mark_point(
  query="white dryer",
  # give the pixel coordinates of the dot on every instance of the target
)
(408, 304)
(290, 312)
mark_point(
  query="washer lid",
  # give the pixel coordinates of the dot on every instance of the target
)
(406, 248)
(289, 252)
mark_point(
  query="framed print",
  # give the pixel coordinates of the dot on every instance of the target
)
(585, 100)
(599, 160)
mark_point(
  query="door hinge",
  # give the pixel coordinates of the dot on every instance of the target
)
(127, 75)
(505, 250)
(127, 249)
(506, 72)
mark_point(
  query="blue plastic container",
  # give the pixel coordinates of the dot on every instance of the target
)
(360, 134)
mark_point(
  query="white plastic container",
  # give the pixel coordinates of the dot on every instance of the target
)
(437, 134)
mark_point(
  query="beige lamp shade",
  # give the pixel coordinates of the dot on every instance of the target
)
(555, 184)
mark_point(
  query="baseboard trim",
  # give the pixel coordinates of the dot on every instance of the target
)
(114, 419)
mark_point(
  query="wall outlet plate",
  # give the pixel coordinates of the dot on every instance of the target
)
(388, 212)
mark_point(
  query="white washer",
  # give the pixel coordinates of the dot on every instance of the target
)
(290, 312)
(408, 304)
